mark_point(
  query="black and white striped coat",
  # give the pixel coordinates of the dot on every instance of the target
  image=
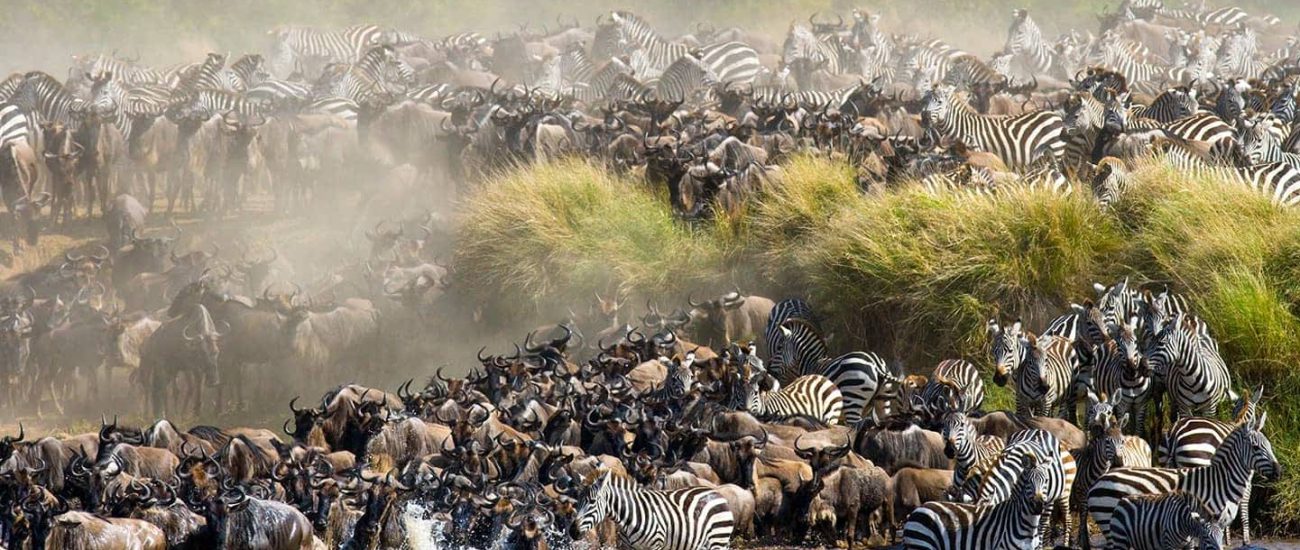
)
(1193, 440)
(1159, 522)
(969, 450)
(1013, 523)
(955, 386)
(813, 396)
(1026, 448)
(789, 308)
(1220, 485)
(686, 519)
(1186, 359)
(1017, 140)
(1045, 380)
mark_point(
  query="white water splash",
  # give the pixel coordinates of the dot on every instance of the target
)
(424, 531)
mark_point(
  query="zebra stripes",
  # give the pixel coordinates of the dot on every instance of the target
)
(954, 386)
(1013, 523)
(1025, 450)
(1220, 485)
(1045, 379)
(653, 54)
(1193, 440)
(864, 380)
(790, 308)
(969, 450)
(802, 349)
(14, 126)
(1159, 522)
(731, 62)
(1119, 377)
(42, 97)
(1186, 359)
(1017, 140)
(1026, 43)
(295, 47)
(686, 519)
(812, 396)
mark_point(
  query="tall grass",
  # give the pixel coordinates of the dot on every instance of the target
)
(914, 276)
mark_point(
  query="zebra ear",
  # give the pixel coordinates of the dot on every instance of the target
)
(1016, 327)
(1099, 288)
(1258, 394)
(1259, 422)
(995, 329)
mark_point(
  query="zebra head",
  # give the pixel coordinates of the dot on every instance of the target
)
(1257, 454)
(103, 101)
(1246, 407)
(937, 105)
(1009, 347)
(958, 434)
(594, 508)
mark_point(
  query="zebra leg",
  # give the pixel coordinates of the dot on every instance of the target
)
(1068, 519)
(1244, 513)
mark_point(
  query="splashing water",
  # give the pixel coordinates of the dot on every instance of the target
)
(424, 531)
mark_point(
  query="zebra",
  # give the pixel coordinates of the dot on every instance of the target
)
(1119, 376)
(954, 386)
(731, 62)
(790, 308)
(1220, 485)
(1185, 360)
(1110, 181)
(969, 450)
(1008, 350)
(1045, 380)
(686, 519)
(1025, 41)
(15, 126)
(1157, 310)
(206, 103)
(811, 395)
(1106, 450)
(296, 47)
(805, 52)
(682, 79)
(206, 76)
(653, 54)
(1158, 522)
(1261, 144)
(1024, 450)
(1278, 181)
(864, 380)
(802, 349)
(1192, 441)
(1013, 523)
(44, 99)
(1017, 140)
(1172, 104)
(244, 73)
(1118, 303)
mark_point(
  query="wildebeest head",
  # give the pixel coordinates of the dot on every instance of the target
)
(82, 269)
(203, 336)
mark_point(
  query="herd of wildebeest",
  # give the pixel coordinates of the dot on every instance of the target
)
(683, 427)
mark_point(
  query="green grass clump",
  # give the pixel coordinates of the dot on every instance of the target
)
(554, 234)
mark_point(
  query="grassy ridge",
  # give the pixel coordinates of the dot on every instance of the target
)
(915, 276)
